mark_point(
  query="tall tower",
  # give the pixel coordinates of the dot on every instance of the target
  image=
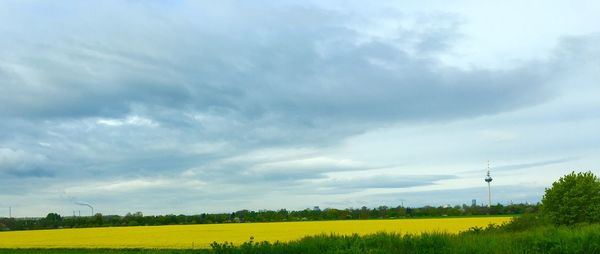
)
(488, 179)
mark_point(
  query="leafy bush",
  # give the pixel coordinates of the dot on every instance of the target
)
(574, 198)
(525, 222)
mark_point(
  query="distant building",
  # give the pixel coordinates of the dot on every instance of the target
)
(316, 208)
(474, 202)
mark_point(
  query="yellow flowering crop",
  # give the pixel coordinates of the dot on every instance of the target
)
(200, 236)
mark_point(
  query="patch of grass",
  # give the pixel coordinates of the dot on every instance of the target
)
(583, 239)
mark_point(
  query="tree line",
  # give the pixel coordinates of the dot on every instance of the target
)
(54, 220)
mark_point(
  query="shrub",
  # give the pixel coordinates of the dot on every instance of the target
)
(525, 222)
(574, 198)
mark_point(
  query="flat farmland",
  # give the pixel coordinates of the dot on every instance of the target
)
(201, 236)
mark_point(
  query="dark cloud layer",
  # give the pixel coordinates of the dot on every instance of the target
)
(313, 70)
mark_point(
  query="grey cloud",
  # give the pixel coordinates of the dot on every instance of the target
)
(387, 181)
(175, 195)
(519, 166)
(533, 164)
(275, 74)
(500, 194)
(240, 195)
(576, 51)
(20, 163)
(299, 171)
(30, 172)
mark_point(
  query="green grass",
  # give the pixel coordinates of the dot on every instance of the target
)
(501, 240)
(584, 239)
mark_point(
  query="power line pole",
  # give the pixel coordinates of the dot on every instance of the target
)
(10, 212)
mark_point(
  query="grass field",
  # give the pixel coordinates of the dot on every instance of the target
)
(201, 236)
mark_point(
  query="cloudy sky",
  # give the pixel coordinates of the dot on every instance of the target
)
(217, 106)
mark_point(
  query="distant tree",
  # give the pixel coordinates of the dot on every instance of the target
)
(574, 198)
(53, 217)
(98, 219)
(52, 220)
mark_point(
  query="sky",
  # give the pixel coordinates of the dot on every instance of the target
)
(188, 107)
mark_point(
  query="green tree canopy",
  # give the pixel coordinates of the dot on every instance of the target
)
(53, 217)
(574, 198)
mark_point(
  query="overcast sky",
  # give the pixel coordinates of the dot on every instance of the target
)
(217, 106)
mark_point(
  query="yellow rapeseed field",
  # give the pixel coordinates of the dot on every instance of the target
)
(200, 236)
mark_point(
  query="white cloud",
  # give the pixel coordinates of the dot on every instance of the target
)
(130, 120)
(497, 135)
(118, 186)
(320, 163)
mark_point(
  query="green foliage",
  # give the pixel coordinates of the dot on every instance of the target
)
(493, 239)
(242, 216)
(52, 220)
(574, 198)
(526, 221)
(53, 217)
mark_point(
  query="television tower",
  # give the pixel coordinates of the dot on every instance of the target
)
(488, 179)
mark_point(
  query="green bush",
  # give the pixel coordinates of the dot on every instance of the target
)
(574, 198)
(526, 222)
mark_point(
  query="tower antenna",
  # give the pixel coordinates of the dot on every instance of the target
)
(489, 179)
